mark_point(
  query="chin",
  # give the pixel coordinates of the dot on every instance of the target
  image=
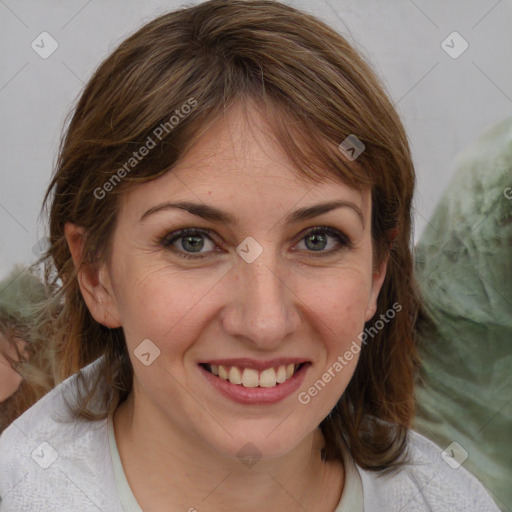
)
(250, 444)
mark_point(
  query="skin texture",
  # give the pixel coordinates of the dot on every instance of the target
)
(10, 379)
(178, 438)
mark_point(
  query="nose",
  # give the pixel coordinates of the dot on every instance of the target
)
(263, 310)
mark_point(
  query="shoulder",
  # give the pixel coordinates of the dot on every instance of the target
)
(425, 482)
(50, 461)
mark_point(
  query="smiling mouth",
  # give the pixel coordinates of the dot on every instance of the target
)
(252, 378)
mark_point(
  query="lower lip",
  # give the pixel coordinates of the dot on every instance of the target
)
(257, 396)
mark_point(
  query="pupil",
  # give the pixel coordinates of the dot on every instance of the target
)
(196, 244)
(317, 238)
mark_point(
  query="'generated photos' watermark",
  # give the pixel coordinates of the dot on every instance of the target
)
(161, 131)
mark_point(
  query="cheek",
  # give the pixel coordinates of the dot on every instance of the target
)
(337, 309)
(162, 305)
(337, 315)
(10, 379)
(339, 303)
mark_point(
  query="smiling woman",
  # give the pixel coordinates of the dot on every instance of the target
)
(239, 265)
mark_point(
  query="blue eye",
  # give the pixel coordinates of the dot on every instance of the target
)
(192, 239)
(319, 237)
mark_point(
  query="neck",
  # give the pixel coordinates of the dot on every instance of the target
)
(168, 470)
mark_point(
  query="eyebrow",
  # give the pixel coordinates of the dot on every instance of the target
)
(215, 215)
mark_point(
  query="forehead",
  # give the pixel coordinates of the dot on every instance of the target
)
(238, 165)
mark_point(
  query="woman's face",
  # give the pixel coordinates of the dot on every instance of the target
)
(257, 288)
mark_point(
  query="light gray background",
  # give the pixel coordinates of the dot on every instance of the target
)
(445, 103)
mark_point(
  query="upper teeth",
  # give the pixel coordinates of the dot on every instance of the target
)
(251, 378)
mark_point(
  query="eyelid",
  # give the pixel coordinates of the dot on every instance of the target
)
(334, 232)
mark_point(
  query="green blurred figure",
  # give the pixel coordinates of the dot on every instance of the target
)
(26, 359)
(464, 266)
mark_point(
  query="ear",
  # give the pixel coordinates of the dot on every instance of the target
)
(94, 282)
(378, 277)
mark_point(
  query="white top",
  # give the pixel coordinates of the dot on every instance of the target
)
(48, 464)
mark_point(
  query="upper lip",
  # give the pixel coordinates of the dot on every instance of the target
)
(246, 362)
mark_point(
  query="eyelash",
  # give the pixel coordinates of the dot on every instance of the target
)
(169, 239)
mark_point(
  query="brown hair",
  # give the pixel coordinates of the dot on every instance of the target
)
(314, 90)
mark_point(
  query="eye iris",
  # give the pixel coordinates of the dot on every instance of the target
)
(315, 237)
(195, 246)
